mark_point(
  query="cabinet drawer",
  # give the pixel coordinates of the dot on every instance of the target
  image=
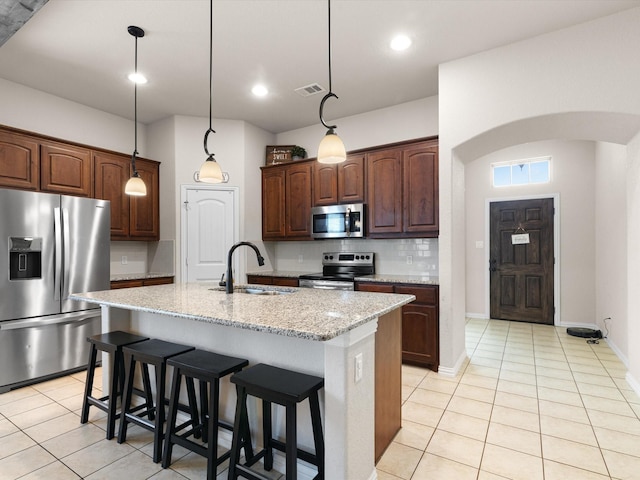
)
(426, 295)
(285, 281)
(375, 287)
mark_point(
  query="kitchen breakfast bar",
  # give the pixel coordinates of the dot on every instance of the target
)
(352, 339)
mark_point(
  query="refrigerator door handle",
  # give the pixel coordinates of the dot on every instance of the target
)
(66, 243)
(52, 320)
(57, 272)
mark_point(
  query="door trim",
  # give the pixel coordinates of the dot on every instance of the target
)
(556, 249)
(183, 221)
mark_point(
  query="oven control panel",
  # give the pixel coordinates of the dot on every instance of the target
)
(347, 258)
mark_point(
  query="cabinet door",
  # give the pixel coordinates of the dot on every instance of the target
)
(298, 201)
(273, 193)
(19, 162)
(384, 192)
(144, 212)
(351, 179)
(157, 281)
(420, 335)
(111, 175)
(325, 184)
(420, 169)
(65, 169)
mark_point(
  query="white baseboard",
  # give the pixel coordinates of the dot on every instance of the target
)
(633, 382)
(480, 316)
(453, 371)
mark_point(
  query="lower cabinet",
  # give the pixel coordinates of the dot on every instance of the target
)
(420, 322)
(271, 280)
(146, 282)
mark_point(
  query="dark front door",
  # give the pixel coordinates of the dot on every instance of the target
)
(521, 260)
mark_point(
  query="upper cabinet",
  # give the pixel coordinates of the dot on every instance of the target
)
(341, 183)
(402, 191)
(65, 169)
(19, 161)
(286, 201)
(39, 163)
(132, 218)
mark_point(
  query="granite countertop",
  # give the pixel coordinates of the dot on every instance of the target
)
(138, 276)
(279, 273)
(380, 277)
(388, 278)
(304, 313)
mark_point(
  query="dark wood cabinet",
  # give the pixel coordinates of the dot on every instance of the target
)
(298, 201)
(341, 183)
(65, 169)
(286, 202)
(420, 322)
(146, 282)
(111, 175)
(272, 280)
(384, 192)
(132, 218)
(19, 161)
(402, 191)
(144, 214)
(273, 198)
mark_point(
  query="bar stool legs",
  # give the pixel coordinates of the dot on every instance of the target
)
(112, 343)
(286, 388)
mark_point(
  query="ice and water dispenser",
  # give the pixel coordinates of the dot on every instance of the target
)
(25, 258)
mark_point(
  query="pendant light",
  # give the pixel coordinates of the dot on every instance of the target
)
(210, 171)
(135, 185)
(331, 148)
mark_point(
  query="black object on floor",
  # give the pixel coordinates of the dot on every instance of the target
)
(584, 332)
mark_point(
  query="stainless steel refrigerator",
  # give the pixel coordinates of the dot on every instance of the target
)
(50, 246)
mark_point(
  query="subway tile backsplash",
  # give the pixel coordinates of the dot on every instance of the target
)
(411, 256)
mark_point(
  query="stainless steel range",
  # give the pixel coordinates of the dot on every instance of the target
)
(339, 269)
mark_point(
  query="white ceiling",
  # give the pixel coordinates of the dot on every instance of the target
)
(80, 50)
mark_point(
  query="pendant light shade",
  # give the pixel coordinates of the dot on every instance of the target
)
(135, 185)
(331, 148)
(210, 171)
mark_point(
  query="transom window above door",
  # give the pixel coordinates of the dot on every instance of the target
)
(521, 172)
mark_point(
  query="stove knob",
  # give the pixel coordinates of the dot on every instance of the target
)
(368, 257)
(326, 257)
(330, 257)
(357, 257)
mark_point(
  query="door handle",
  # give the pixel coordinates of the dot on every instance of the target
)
(492, 266)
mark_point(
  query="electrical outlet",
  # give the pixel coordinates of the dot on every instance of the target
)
(124, 260)
(300, 258)
(409, 259)
(358, 367)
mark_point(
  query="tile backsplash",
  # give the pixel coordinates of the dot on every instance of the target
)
(412, 256)
(142, 257)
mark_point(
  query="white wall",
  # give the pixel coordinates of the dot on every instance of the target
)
(633, 260)
(574, 83)
(573, 179)
(39, 112)
(611, 245)
(405, 121)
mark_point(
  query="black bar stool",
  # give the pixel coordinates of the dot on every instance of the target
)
(112, 343)
(283, 387)
(152, 352)
(208, 368)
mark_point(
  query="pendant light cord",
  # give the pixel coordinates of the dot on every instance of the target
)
(135, 111)
(330, 94)
(211, 130)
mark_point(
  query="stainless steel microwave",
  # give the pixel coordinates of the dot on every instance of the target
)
(338, 221)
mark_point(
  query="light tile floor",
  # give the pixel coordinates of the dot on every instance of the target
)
(530, 403)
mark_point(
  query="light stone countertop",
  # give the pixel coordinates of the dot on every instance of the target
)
(280, 273)
(389, 278)
(304, 313)
(138, 276)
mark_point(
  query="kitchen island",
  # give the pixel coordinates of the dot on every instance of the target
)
(325, 333)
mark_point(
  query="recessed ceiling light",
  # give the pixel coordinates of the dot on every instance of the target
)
(400, 42)
(137, 78)
(259, 90)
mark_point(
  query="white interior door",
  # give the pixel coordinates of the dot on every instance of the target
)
(209, 230)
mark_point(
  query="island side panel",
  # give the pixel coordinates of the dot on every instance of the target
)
(388, 380)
